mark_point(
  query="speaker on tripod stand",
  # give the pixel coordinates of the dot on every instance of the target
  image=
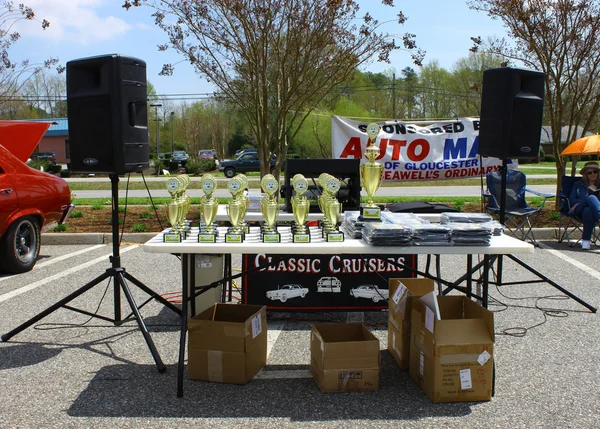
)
(108, 133)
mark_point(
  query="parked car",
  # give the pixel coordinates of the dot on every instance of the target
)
(371, 292)
(286, 292)
(44, 156)
(207, 154)
(31, 201)
(246, 162)
(180, 157)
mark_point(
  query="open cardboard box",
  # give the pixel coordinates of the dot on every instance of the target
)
(401, 293)
(227, 343)
(344, 357)
(451, 358)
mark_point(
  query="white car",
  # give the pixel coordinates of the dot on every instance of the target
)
(370, 292)
(286, 292)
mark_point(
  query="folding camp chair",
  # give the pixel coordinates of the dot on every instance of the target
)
(517, 213)
(569, 224)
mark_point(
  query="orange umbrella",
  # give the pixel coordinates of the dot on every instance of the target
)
(584, 146)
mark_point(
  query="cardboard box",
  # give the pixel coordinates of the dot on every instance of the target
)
(344, 357)
(227, 343)
(451, 359)
(400, 299)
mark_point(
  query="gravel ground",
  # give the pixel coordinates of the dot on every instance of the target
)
(69, 372)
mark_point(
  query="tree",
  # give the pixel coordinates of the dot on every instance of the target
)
(12, 74)
(275, 59)
(562, 39)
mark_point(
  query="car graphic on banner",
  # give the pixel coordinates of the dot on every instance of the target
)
(370, 292)
(286, 292)
(329, 284)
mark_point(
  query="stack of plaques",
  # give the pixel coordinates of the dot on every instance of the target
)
(459, 217)
(351, 225)
(470, 234)
(402, 218)
(386, 234)
(431, 235)
(483, 219)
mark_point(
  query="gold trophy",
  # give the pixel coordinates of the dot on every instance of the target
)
(269, 206)
(236, 210)
(331, 207)
(208, 209)
(245, 199)
(300, 209)
(174, 212)
(370, 175)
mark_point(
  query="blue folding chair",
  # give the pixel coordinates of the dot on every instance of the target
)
(569, 224)
(517, 212)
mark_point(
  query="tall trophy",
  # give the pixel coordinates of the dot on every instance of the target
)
(370, 175)
(269, 206)
(330, 206)
(174, 210)
(236, 209)
(208, 209)
(300, 209)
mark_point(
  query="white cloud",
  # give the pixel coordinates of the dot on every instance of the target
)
(76, 21)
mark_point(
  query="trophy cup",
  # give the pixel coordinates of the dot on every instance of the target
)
(235, 210)
(300, 209)
(330, 206)
(208, 209)
(370, 175)
(245, 199)
(173, 212)
(269, 206)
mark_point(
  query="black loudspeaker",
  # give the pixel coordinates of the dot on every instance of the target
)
(512, 106)
(108, 114)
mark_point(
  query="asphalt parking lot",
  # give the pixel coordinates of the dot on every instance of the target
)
(69, 371)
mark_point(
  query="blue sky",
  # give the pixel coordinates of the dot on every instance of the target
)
(83, 28)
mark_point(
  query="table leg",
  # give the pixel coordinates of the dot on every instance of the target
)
(485, 281)
(185, 261)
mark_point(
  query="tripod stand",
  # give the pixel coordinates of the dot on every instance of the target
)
(119, 277)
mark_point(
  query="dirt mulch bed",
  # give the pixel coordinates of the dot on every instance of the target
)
(144, 219)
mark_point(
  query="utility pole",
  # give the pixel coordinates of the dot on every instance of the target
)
(394, 95)
(172, 132)
(156, 106)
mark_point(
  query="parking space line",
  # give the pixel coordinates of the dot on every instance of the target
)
(571, 261)
(62, 274)
(56, 259)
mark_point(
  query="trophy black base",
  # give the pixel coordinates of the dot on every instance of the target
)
(298, 237)
(234, 237)
(205, 237)
(334, 236)
(271, 237)
(173, 237)
(370, 214)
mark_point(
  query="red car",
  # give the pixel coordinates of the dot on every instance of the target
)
(31, 201)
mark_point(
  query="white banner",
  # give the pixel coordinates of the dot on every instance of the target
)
(442, 150)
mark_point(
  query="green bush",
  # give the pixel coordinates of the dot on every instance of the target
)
(138, 227)
(76, 214)
(65, 173)
(38, 164)
(194, 167)
(54, 168)
(60, 228)
(549, 158)
(145, 215)
(97, 206)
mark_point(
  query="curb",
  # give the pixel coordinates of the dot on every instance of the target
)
(66, 238)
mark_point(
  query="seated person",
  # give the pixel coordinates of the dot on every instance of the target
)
(584, 201)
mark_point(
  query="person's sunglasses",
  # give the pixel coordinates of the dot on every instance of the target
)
(592, 172)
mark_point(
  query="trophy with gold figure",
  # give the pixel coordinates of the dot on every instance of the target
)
(245, 199)
(269, 206)
(300, 209)
(236, 209)
(330, 206)
(370, 175)
(208, 209)
(174, 211)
